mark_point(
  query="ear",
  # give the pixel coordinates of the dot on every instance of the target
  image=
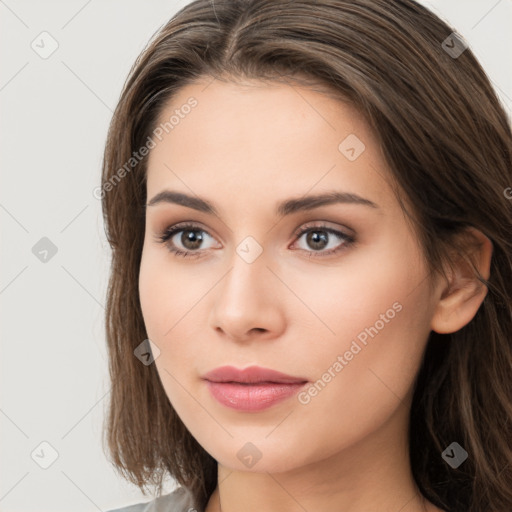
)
(461, 296)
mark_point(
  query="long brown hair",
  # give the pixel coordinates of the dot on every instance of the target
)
(448, 142)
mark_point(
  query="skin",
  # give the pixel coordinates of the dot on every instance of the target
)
(245, 147)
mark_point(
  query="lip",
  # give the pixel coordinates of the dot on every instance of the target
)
(251, 389)
(251, 375)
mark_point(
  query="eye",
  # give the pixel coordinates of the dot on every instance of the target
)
(192, 237)
(320, 236)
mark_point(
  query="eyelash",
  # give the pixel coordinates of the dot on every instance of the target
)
(171, 231)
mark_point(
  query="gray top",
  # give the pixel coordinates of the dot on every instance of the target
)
(179, 500)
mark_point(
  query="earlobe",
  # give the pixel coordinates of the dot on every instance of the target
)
(462, 294)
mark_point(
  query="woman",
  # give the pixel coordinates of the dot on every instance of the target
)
(309, 208)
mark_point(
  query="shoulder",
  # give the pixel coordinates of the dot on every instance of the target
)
(179, 500)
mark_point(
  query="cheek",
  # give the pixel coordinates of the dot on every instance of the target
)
(167, 293)
(381, 288)
(165, 300)
(364, 374)
(172, 302)
(380, 316)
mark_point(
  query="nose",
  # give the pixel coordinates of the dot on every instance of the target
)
(248, 302)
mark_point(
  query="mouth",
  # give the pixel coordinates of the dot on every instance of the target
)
(251, 389)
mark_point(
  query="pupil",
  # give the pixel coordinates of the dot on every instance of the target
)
(192, 238)
(314, 238)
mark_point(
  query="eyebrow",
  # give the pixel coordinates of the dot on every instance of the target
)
(286, 207)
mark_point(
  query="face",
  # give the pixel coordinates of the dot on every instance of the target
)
(332, 293)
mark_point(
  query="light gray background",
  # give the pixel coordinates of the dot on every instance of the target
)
(54, 118)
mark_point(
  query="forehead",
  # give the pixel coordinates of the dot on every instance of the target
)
(270, 140)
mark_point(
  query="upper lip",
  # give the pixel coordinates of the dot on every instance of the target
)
(252, 374)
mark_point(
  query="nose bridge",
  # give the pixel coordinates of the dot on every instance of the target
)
(249, 273)
(245, 300)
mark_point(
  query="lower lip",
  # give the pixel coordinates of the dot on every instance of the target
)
(252, 397)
